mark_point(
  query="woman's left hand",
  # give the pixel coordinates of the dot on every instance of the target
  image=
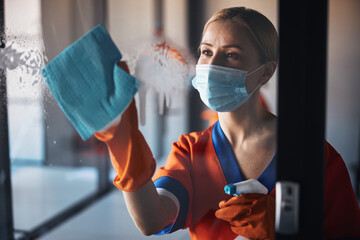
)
(250, 215)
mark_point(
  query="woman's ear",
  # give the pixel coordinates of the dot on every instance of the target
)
(268, 71)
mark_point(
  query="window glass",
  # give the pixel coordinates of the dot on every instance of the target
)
(50, 169)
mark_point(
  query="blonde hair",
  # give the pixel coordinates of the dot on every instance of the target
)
(260, 29)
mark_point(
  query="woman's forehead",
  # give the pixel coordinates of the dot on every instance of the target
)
(226, 32)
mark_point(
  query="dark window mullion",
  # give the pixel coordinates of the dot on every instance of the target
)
(301, 107)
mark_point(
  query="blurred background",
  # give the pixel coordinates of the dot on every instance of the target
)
(55, 175)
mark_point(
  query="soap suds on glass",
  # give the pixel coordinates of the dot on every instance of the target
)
(23, 54)
(162, 68)
(22, 58)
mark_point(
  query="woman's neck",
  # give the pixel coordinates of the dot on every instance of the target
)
(251, 119)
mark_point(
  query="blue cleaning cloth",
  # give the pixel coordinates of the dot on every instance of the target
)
(88, 85)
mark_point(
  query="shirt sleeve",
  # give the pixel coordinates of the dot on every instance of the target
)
(174, 179)
(342, 213)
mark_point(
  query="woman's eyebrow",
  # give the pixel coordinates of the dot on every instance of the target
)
(233, 46)
(207, 44)
(225, 46)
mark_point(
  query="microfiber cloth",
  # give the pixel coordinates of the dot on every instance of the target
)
(88, 85)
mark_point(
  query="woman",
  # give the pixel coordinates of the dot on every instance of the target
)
(238, 54)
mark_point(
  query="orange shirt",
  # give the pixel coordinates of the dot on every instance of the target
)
(202, 163)
(196, 172)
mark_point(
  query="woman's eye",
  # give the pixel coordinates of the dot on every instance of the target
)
(206, 52)
(232, 55)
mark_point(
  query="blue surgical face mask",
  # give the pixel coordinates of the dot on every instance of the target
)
(221, 88)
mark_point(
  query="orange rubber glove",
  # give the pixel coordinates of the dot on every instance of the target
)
(250, 215)
(130, 155)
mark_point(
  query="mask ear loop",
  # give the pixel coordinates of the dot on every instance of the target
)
(258, 86)
(255, 70)
(250, 94)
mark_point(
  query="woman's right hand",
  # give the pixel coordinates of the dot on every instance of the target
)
(134, 164)
(130, 155)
